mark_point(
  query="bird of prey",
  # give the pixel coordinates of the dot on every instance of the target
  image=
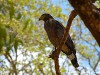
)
(55, 31)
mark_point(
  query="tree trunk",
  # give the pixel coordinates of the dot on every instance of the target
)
(90, 16)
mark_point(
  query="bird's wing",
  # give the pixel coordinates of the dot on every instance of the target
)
(59, 29)
(70, 44)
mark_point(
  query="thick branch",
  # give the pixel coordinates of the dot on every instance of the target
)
(90, 16)
(93, 1)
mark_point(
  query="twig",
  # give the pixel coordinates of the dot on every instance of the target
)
(55, 54)
(40, 66)
(93, 45)
(51, 68)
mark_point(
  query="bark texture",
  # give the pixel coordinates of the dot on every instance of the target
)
(90, 16)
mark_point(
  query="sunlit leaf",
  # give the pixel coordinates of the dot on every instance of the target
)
(16, 44)
(3, 35)
(12, 11)
(19, 16)
(26, 24)
(12, 37)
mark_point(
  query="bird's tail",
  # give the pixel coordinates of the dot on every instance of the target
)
(73, 59)
(71, 55)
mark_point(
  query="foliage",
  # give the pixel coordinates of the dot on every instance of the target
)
(24, 46)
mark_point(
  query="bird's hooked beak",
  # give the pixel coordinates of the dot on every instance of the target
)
(42, 17)
(39, 18)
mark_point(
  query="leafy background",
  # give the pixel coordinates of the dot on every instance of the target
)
(24, 46)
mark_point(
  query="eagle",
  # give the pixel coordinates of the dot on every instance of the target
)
(55, 31)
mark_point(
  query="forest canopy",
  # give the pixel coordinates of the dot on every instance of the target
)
(24, 45)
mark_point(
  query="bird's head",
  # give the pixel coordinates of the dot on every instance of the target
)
(45, 17)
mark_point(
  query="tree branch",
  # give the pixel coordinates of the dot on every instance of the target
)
(11, 61)
(94, 45)
(90, 15)
(55, 54)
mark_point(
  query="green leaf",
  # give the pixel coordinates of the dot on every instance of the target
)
(1, 45)
(12, 37)
(26, 24)
(3, 35)
(16, 44)
(12, 11)
(20, 41)
(3, 32)
(8, 48)
(19, 16)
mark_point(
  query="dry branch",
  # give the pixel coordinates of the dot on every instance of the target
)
(55, 54)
